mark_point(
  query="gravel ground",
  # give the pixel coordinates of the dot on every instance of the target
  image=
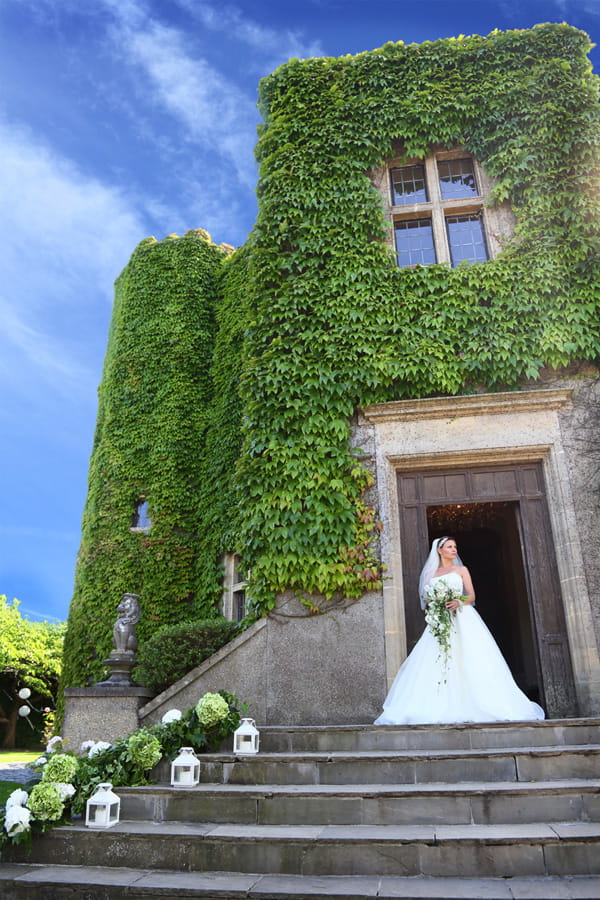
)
(15, 772)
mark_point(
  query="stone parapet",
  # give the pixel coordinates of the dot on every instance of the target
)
(101, 713)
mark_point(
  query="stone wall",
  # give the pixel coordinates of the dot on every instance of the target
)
(580, 429)
(294, 669)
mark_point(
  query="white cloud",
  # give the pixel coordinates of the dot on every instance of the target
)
(64, 236)
(216, 114)
(274, 46)
(38, 349)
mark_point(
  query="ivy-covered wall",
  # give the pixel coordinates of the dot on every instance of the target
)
(338, 325)
(156, 407)
(231, 382)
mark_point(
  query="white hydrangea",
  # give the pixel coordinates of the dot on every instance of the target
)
(17, 798)
(17, 819)
(52, 743)
(172, 715)
(97, 748)
(65, 790)
(86, 747)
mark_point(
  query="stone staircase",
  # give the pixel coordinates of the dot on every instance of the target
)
(495, 811)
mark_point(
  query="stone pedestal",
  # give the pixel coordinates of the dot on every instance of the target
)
(120, 663)
(103, 712)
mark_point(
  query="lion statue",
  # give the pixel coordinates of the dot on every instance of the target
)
(128, 615)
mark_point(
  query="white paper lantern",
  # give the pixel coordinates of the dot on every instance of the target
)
(246, 738)
(24, 693)
(103, 808)
(24, 711)
(185, 768)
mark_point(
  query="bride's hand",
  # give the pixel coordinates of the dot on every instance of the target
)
(452, 605)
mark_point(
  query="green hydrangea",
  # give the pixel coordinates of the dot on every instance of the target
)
(144, 749)
(211, 708)
(60, 767)
(45, 802)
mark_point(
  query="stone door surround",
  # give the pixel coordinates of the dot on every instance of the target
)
(485, 429)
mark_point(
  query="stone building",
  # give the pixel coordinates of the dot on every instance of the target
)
(418, 301)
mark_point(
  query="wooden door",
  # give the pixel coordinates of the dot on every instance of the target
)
(524, 485)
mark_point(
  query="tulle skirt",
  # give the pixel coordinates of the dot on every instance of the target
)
(476, 685)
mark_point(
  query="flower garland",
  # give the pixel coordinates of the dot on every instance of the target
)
(440, 619)
(67, 780)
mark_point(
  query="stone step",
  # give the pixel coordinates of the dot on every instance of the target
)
(384, 804)
(496, 735)
(402, 767)
(536, 849)
(32, 882)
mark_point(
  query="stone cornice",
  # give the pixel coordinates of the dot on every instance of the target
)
(471, 405)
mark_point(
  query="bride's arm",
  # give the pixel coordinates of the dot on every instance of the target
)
(468, 585)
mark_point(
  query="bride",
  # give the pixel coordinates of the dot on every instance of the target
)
(469, 683)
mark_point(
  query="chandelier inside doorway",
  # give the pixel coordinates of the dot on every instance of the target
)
(459, 516)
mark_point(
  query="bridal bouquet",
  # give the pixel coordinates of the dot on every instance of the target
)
(439, 617)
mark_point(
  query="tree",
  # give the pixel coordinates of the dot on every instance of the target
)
(30, 657)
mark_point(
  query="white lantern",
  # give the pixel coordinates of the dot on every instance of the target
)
(24, 711)
(246, 738)
(24, 693)
(103, 807)
(185, 768)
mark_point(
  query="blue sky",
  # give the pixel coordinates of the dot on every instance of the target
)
(121, 119)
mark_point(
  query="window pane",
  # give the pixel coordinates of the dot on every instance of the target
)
(465, 236)
(141, 518)
(457, 179)
(414, 242)
(408, 185)
(239, 605)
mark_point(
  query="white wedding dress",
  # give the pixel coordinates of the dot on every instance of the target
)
(475, 686)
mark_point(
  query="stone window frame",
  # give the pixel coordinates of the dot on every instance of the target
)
(480, 430)
(234, 585)
(498, 222)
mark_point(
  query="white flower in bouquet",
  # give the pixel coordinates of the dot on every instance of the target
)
(171, 715)
(439, 618)
(17, 819)
(17, 798)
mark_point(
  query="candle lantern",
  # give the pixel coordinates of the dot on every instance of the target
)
(185, 768)
(103, 808)
(246, 738)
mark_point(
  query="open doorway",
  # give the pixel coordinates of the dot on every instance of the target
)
(488, 541)
(499, 517)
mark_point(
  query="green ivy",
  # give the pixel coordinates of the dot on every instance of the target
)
(155, 409)
(231, 380)
(337, 325)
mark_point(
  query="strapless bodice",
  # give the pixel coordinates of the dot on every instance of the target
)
(452, 579)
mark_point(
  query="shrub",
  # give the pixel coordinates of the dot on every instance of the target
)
(175, 649)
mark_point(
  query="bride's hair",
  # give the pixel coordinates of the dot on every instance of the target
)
(432, 563)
